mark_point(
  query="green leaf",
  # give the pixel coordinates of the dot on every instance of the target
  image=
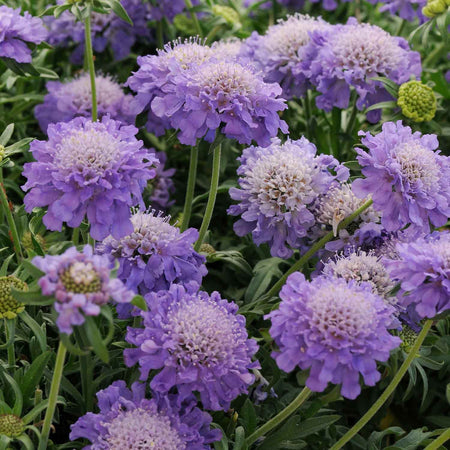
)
(382, 105)
(232, 257)
(17, 408)
(36, 329)
(120, 11)
(239, 439)
(139, 302)
(315, 424)
(33, 375)
(95, 339)
(6, 135)
(389, 85)
(223, 443)
(248, 416)
(29, 417)
(264, 272)
(18, 146)
(4, 267)
(31, 269)
(411, 441)
(60, 9)
(32, 297)
(47, 73)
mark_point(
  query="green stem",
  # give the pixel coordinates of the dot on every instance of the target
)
(90, 60)
(307, 114)
(212, 196)
(352, 119)
(76, 236)
(442, 439)
(388, 391)
(10, 327)
(434, 55)
(54, 390)
(315, 248)
(11, 223)
(189, 6)
(401, 27)
(86, 372)
(280, 417)
(190, 188)
(160, 34)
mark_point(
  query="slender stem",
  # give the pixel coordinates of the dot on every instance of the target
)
(160, 34)
(86, 372)
(434, 55)
(189, 6)
(388, 391)
(10, 327)
(352, 119)
(307, 114)
(212, 197)
(280, 417)
(401, 27)
(190, 188)
(12, 225)
(442, 439)
(76, 236)
(90, 60)
(315, 248)
(54, 390)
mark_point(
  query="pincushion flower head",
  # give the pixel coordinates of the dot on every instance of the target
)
(197, 342)
(423, 271)
(80, 283)
(417, 101)
(278, 53)
(278, 184)
(156, 254)
(128, 420)
(344, 56)
(71, 99)
(409, 10)
(16, 31)
(336, 328)
(9, 306)
(93, 169)
(406, 177)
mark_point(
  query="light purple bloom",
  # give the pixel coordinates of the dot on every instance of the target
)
(336, 328)
(406, 9)
(197, 342)
(342, 56)
(80, 283)
(128, 420)
(96, 169)
(423, 271)
(16, 30)
(162, 186)
(279, 184)
(406, 177)
(71, 99)
(169, 8)
(155, 255)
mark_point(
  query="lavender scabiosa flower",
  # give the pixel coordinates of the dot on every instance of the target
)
(128, 420)
(155, 255)
(279, 52)
(16, 30)
(71, 99)
(162, 186)
(423, 271)
(278, 185)
(409, 10)
(199, 343)
(169, 9)
(222, 93)
(80, 283)
(342, 56)
(336, 328)
(98, 169)
(406, 177)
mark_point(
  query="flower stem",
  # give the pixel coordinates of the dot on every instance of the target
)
(190, 188)
(194, 17)
(10, 331)
(280, 417)
(160, 34)
(54, 390)
(315, 248)
(212, 196)
(442, 439)
(90, 61)
(12, 225)
(388, 391)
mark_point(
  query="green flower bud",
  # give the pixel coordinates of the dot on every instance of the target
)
(27, 243)
(227, 13)
(207, 249)
(408, 337)
(417, 101)
(435, 7)
(2, 152)
(11, 425)
(9, 306)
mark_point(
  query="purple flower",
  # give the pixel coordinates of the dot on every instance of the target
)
(80, 283)
(162, 186)
(107, 29)
(155, 255)
(199, 343)
(96, 169)
(407, 179)
(423, 271)
(169, 9)
(336, 328)
(406, 9)
(128, 420)
(16, 30)
(342, 56)
(328, 5)
(279, 52)
(71, 99)
(278, 185)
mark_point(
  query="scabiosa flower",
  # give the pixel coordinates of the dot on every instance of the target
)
(222, 93)
(198, 341)
(417, 101)
(278, 184)
(406, 177)
(406, 9)
(423, 272)
(155, 255)
(279, 52)
(16, 30)
(227, 48)
(80, 283)
(336, 328)
(341, 56)
(9, 306)
(96, 169)
(162, 186)
(128, 420)
(71, 99)
(169, 8)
